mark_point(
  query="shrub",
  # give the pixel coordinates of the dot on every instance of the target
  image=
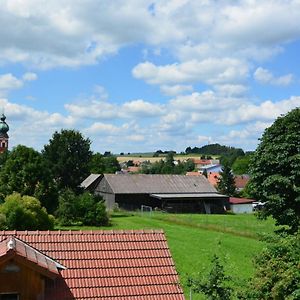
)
(85, 208)
(24, 213)
(216, 284)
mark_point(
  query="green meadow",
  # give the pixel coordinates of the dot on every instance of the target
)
(193, 240)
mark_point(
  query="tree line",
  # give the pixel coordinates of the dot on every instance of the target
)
(52, 177)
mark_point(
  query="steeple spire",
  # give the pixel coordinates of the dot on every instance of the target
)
(4, 128)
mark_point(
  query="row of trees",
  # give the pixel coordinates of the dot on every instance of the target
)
(168, 166)
(61, 166)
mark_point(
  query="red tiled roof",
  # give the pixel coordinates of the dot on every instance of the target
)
(107, 264)
(12, 246)
(213, 177)
(233, 200)
(133, 169)
(241, 181)
(201, 161)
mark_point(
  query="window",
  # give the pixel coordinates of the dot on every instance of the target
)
(9, 297)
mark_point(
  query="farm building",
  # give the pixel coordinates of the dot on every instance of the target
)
(212, 168)
(174, 193)
(65, 265)
(241, 205)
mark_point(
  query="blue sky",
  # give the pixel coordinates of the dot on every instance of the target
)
(139, 75)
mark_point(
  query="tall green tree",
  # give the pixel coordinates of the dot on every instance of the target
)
(226, 183)
(168, 167)
(25, 171)
(275, 171)
(103, 164)
(241, 165)
(68, 154)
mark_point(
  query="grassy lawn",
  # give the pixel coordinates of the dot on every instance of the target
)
(193, 239)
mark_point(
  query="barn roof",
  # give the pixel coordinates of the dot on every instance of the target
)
(106, 264)
(158, 184)
(192, 196)
(89, 180)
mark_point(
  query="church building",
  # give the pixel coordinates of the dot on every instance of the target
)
(3, 134)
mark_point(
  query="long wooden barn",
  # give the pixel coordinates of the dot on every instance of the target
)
(173, 193)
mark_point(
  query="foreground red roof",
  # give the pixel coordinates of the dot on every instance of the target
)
(105, 264)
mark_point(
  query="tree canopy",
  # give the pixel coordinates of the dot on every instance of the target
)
(26, 172)
(226, 183)
(100, 164)
(68, 154)
(241, 165)
(275, 171)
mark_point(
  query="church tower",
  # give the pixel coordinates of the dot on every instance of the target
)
(3, 134)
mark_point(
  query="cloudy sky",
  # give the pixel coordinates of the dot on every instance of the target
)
(140, 75)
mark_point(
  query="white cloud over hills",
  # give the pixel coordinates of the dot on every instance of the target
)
(204, 60)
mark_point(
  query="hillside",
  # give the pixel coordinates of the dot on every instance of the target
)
(193, 239)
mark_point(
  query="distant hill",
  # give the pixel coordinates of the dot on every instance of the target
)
(215, 149)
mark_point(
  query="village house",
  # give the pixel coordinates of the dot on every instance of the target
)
(173, 193)
(241, 181)
(199, 163)
(79, 265)
(241, 205)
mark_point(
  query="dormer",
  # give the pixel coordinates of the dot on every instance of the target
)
(25, 272)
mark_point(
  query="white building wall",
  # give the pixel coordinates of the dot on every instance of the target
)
(241, 208)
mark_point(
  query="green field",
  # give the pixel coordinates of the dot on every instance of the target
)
(193, 239)
(147, 156)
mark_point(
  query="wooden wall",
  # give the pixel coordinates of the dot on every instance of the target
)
(26, 282)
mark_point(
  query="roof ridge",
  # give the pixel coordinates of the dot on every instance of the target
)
(81, 232)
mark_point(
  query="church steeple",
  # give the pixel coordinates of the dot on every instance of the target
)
(3, 134)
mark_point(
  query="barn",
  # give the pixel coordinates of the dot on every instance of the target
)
(241, 205)
(172, 193)
(79, 265)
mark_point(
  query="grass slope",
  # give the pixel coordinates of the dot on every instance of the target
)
(193, 239)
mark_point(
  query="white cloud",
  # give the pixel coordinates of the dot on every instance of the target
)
(141, 108)
(265, 111)
(204, 102)
(136, 138)
(231, 89)
(38, 125)
(264, 76)
(210, 70)
(174, 90)
(29, 76)
(72, 33)
(9, 82)
(103, 129)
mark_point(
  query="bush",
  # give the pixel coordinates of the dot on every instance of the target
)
(66, 211)
(24, 213)
(215, 285)
(85, 208)
(277, 270)
(92, 210)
